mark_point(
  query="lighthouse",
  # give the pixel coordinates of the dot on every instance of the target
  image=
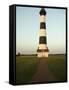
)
(42, 50)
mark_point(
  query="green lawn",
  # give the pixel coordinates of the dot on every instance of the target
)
(57, 66)
(26, 67)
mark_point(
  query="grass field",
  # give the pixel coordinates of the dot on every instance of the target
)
(26, 67)
(57, 65)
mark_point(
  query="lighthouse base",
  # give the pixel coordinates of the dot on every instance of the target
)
(42, 54)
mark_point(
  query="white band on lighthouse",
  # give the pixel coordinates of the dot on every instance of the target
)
(42, 18)
(42, 46)
(42, 32)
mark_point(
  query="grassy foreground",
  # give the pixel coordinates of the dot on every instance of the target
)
(26, 67)
(57, 66)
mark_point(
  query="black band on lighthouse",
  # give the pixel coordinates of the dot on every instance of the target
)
(42, 25)
(42, 40)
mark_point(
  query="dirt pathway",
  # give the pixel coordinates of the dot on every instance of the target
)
(43, 74)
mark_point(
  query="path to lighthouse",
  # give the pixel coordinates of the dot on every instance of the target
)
(43, 74)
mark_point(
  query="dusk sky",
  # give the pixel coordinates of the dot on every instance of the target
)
(28, 26)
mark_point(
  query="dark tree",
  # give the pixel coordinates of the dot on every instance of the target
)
(18, 53)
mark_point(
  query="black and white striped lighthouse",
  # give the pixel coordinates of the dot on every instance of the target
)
(42, 50)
